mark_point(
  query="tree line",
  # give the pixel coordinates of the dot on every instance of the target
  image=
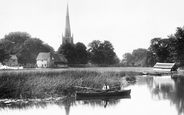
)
(27, 49)
(166, 50)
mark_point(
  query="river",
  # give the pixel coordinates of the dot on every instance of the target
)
(150, 95)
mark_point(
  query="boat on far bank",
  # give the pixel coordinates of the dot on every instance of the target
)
(11, 67)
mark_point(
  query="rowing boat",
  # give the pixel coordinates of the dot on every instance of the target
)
(104, 93)
(79, 98)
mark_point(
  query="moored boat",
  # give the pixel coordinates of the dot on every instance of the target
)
(105, 93)
(79, 98)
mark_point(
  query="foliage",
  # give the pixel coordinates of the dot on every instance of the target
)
(102, 52)
(30, 50)
(69, 51)
(3, 54)
(178, 53)
(162, 48)
(74, 53)
(81, 53)
(128, 59)
(167, 50)
(139, 57)
(24, 46)
(170, 49)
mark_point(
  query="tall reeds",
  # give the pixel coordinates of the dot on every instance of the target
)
(51, 83)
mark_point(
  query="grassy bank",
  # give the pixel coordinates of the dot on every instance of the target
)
(53, 83)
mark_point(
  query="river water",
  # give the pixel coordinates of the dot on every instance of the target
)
(150, 95)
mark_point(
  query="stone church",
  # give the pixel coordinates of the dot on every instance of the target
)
(67, 38)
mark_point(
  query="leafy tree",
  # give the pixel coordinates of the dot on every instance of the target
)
(24, 46)
(17, 39)
(25, 56)
(139, 57)
(161, 48)
(81, 53)
(30, 50)
(128, 59)
(150, 59)
(3, 54)
(178, 52)
(94, 51)
(102, 52)
(170, 49)
(143, 57)
(108, 52)
(68, 50)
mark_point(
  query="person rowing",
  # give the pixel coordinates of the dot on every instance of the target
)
(105, 87)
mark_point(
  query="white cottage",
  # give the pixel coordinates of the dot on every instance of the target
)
(43, 60)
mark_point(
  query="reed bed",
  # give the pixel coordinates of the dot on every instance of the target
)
(54, 83)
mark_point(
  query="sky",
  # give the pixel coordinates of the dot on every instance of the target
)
(127, 24)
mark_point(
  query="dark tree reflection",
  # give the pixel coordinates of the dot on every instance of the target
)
(166, 88)
(178, 98)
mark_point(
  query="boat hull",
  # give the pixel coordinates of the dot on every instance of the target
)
(104, 94)
(79, 98)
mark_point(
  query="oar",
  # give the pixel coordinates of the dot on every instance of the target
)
(89, 88)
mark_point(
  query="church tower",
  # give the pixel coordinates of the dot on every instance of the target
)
(67, 38)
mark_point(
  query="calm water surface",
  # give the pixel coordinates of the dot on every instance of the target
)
(149, 96)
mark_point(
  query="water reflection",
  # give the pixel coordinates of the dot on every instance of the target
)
(63, 102)
(165, 88)
(178, 97)
(150, 93)
(102, 101)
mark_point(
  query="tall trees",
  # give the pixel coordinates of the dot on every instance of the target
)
(139, 57)
(179, 45)
(161, 48)
(74, 53)
(30, 50)
(3, 54)
(102, 52)
(128, 59)
(170, 49)
(165, 50)
(24, 46)
(68, 50)
(81, 53)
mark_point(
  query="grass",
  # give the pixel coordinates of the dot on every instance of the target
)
(53, 83)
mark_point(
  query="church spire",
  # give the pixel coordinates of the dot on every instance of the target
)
(67, 27)
(67, 38)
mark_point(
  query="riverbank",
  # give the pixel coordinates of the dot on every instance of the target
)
(55, 83)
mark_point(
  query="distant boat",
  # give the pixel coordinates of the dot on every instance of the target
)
(11, 67)
(104, 94)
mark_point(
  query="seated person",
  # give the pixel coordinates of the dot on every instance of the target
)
(105, 87)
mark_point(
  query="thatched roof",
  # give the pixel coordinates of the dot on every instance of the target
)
(14, 57)
(43, 56)
(57, 58)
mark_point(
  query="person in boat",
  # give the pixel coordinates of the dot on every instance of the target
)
(105, 87)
